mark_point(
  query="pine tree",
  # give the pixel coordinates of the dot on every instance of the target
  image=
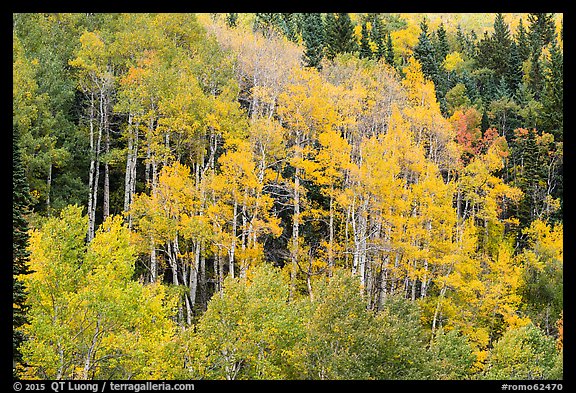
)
(536, 74)
(484, 51)
(485, 122)
(514, 72)
(389, 50)
(313, 36)
(232, 19)
(331, 36)
(442, 47)
(460, 39)
(288, 26)
(501, 42)
(531, 175)
(339, 33)
(20, 254)
(425, 54)
(465, 43)
(266, 22)
(552, 98)
(377, 35)
(365, 51)
(542, 29)
(522, 42)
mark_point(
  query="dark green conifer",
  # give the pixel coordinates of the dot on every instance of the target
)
(20, 254)
(553, 96)
(313, 37)
(377, 35)
(339, 35)
(365, 50)
(441, 43)
(522, 42)
(389, 50)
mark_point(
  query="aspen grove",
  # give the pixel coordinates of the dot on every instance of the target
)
(288, 196)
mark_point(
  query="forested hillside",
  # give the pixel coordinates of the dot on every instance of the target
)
(288, 196)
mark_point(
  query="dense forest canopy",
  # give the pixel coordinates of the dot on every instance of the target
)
(288, 196)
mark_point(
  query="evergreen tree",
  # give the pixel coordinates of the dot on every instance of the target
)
(502, 90)
(266, 22)
(313, 36)
(522, 42)
(232, 19)
(536, 74)
(514, 72)
(339, 35)
(389, 50)
(365, 51)
(465, 43)
(288, 26)
(485, 122)
(441, 43)
(20, 254)
(501, 42)
(377, 34)
(484, 51)
(461, 40)
(553, 99)
(331, 33)
(425, 54)
(529, 179)
(542, 29)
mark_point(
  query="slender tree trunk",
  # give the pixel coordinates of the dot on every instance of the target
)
(245, 235)
(383, 283)
(173, 264)
(233, 245)
(424, 284)
(295, 234)
(48, 187)
(153, 262)
(438, 306)
(92, 222)
(331, 240)
(194, 273)
(106, 193)
(203, 299)
(92, 172)
(220, 272)
(128, 173)
(188, 311)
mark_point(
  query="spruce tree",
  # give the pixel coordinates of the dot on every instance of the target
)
(536, 74)
(522, 42)
(339, 34)
(425, 54)
(331, 34)
(346, 33)
(530, 177)
(553, 95)
(288, 26)
(365, 50)
(389, 50)
(460, 39)
(542, 29)
(20, 254)
(313, 37)
(442, 47)
(501, 42)
(485, 49)
(377, 35)
(267, 22)
(485, 122)
(232, 19)
(514, 72)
